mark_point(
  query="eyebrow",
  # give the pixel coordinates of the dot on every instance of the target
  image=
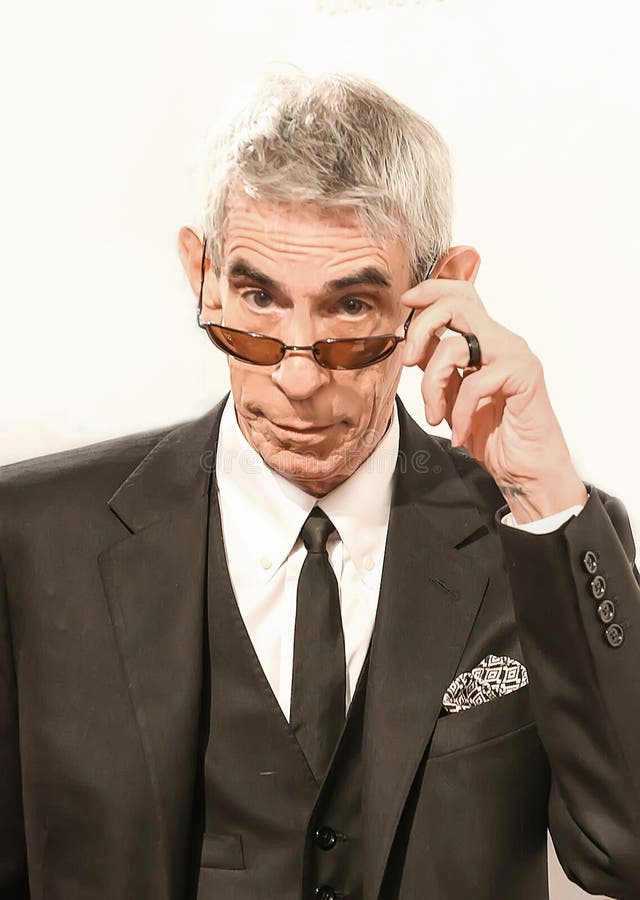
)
(369, 275)
(240, 268)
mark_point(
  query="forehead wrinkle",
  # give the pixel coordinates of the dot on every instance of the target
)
(373, 264)
(301, 245)
(296, 237)
(355, 256)
(271, 220)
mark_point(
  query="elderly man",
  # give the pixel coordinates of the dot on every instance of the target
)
(298, 647)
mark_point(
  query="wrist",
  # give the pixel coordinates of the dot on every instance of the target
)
(536, 499)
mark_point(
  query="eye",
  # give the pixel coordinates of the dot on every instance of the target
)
(257, 299)
(353, 306)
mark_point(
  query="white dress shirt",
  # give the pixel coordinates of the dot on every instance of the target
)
(262, 514)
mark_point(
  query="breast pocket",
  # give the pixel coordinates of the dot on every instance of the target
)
(485, 722)
(222, 851)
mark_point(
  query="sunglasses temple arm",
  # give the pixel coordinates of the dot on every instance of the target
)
(410, 316)
(204, 256)
(407, 323)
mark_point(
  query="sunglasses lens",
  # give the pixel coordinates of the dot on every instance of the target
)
(356, 353)
(261, 351)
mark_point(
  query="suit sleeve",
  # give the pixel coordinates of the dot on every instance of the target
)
(576, 598)
(14, 883)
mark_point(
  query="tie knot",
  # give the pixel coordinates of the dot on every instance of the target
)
(316, 530)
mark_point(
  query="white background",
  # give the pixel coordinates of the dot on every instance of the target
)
(104, 110)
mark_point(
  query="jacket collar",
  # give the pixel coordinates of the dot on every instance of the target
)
(173, 474)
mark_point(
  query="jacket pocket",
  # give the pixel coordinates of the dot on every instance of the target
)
(222, 851)
(485, 722)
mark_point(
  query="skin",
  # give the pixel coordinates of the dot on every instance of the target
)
(316, 426)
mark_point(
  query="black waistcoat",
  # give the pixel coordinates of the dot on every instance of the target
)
(264, 827)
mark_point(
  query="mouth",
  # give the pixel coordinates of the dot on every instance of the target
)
(297, 428)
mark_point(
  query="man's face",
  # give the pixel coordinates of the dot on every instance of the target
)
(280, 275)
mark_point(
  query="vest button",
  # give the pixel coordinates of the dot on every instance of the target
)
(326, 838)
(325, 892)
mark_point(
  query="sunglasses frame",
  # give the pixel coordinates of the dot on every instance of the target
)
(314, 348)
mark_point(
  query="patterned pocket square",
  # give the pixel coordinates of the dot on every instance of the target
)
(491, 678)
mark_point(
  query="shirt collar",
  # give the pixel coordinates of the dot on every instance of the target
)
(278, 508)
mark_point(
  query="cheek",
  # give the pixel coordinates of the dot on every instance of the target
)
(247, 384)
(370, 389)
(379, 380)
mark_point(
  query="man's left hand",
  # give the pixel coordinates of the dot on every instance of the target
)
(500, 412)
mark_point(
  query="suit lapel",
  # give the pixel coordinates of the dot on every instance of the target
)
(154, 583)
(429, 597)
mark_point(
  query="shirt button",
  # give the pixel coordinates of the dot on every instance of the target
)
(598, 587)
(326, 838)
(368, 563)
(614, 634)
(590, 562)
(607, 611)
(265, 562)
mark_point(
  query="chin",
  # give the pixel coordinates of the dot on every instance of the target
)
(314, 473)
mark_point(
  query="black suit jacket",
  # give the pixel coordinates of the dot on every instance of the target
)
(101, 587)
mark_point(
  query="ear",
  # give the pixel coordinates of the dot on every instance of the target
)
(190, 252)
(458, 263)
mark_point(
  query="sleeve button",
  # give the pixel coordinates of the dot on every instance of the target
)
(607, 611)
(590, 562)
(614, 634)
(598, 587)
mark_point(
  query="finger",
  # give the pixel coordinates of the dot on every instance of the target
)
(439, 386)
(422, 358)
(457, 315)
(477, 386)
(427, 292)
(449, 395)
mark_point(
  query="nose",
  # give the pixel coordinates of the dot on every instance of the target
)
(299, 376)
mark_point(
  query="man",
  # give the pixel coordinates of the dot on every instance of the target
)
(298, 647)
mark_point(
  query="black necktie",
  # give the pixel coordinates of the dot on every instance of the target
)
(318, 688)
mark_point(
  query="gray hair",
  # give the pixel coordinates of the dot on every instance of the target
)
(336, 141)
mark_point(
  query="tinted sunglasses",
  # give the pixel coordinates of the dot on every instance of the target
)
(330, 353)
